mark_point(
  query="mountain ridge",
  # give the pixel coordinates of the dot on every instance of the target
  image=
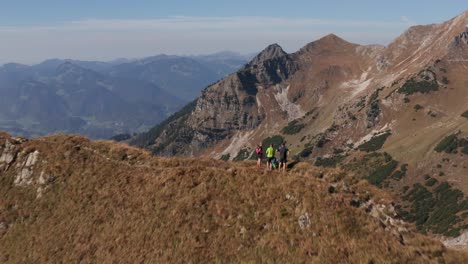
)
(101, 201)
(333, 99)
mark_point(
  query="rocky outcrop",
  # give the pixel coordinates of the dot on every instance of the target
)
(271, 66)
(457, 242)
(24, 165)
(304, 221)
(8, 155)
(43, 183)
(26, 168)
(461, 39)
(373, 114)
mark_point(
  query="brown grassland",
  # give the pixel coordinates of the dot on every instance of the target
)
(110, 203)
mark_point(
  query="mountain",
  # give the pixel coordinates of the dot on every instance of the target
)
(396, 115)
(182, 76)
(52, 97)
(105, 202)
(103, 99)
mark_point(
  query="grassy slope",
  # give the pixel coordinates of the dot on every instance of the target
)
(111, 202)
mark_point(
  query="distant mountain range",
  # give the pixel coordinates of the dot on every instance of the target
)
(182, 76)
(102, 99)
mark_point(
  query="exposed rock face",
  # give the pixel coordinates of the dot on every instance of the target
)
(8, 155)
(382, 63)
(24, 164)
(228, 106)
(304, 221)
(373, 114)
(462, 38)
(26, 169)
(269, 67)
(460, 241)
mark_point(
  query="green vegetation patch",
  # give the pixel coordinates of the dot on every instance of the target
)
(381, 173)
(321, 141)
(436, 211)
(225, 157)
(398, 175)
(412, 86)
(276, 140)
(418, 107)
(292, 128)
(445, 80)
(375, 167)
(451, 143)
(465, 114)
(329, 162)
(430, 182)
(447, 144)
(306, 152)
(374, 143)
(243, 155)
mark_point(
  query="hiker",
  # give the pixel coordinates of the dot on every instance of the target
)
(284, 152)
(270, 153)
(259, 151)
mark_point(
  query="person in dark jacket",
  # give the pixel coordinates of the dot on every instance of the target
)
(283, 157)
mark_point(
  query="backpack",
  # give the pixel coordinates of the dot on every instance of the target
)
(258, 150)
(274, 163)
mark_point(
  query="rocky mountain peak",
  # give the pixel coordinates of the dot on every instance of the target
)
(332, 40)
(332, 37)
(328, 42)
(270, 52)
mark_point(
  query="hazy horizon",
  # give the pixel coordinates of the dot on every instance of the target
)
(131, 58)
(111, 30)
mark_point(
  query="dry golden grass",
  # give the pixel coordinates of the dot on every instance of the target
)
(112, 203)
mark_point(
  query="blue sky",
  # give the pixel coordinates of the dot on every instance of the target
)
(35, 30)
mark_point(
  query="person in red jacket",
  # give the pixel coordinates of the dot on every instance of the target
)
(259, 151)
